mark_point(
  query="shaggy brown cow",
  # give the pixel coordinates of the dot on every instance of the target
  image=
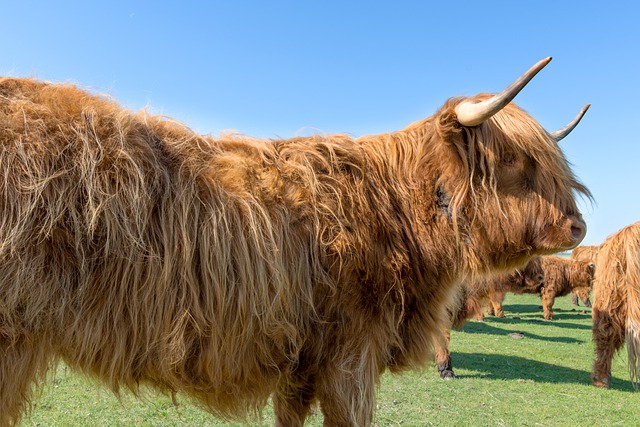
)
(235, 269)
(616, 304)
(470, 303)
(561, 276)
(584, 253)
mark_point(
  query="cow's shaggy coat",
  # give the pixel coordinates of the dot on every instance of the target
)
(233, 269)
(616, 303)
(563, 276)
(583, 253)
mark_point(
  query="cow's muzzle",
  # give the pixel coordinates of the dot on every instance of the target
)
(578, 229)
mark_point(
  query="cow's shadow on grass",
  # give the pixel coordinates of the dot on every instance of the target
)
(572, 314)
(486, 328)
(496, 366)
(560, 320)
(519, 313)
(525, 310)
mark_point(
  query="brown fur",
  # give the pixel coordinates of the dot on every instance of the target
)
(563, 276)
(616, 303)
(560, 277)
(584, 253)
(235, 269)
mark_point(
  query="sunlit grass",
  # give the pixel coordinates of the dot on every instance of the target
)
(542, 379)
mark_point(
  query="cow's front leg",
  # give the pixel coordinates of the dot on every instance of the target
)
(293, 398)
(443, 355)
(346, 386)
(548, 298)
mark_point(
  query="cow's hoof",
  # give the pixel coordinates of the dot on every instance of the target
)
(601, 383)
(447, 375)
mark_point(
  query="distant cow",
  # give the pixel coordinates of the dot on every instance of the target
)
(470, 303)
(616, 303)
(584, 253)
(561, 276)
(234, 269)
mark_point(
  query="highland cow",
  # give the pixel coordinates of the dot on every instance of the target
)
(583, 253)
(470, 303)
(561, 276)
(233, 269)
(616, 304)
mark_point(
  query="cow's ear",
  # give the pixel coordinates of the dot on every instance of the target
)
(449, 130)
(454, 139)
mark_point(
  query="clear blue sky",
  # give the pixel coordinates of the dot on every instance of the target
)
(284, 68)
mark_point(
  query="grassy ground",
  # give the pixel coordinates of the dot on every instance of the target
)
(542, 379)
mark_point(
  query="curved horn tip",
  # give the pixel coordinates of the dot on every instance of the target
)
(542, 63)
(473, 114)
(561, 133)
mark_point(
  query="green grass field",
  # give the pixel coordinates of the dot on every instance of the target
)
(542, 379)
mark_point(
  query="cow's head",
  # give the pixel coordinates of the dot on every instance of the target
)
(534, 280)
(532, 275)
(583, 294)
(582, 280)
(511, 192)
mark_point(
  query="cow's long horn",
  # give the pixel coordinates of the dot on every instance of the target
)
(561, 133)
(472, 114)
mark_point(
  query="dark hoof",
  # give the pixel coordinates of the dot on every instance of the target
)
(447, 375)
(601, 384)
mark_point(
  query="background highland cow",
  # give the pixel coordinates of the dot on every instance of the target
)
(236, 269)
(560, 277)
(583, 253)
(563, 276)
(616, 303)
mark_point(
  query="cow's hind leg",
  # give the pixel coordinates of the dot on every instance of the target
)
(21, 362)
(608, 337)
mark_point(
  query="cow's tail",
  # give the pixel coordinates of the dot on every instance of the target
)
(632, 328)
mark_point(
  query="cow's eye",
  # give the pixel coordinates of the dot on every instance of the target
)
(508, 159)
